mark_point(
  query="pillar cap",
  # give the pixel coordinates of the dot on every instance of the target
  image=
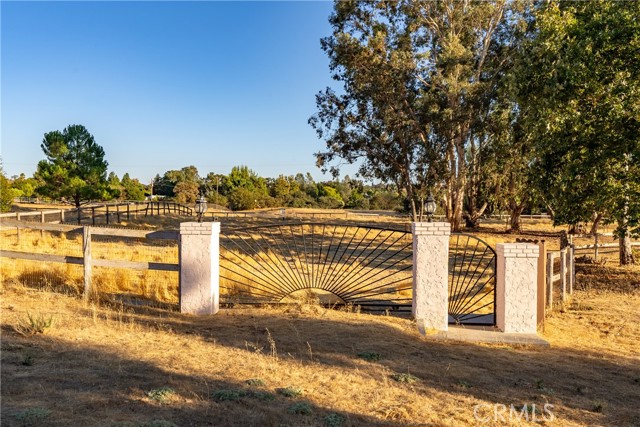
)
(199, 228)
(518, 250)
(431, 228)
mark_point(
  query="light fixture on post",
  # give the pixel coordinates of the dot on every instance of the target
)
(430, 206)
(201, 207)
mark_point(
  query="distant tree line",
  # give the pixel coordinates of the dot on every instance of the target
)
(75, 171)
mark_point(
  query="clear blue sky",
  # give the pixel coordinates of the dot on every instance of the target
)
(163, 85)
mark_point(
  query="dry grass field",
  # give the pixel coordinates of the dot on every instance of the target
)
(66, 362)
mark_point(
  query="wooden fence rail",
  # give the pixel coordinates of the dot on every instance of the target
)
(565, 276)
(86, 260)
(107, 212)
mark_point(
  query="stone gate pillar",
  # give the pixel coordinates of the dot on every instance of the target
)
(199, 267)
(431, 274)
(516, 287)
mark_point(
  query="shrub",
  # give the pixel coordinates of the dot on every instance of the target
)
(300, 408)
(405, 378)
(228, 395)
(32, 416)
(371, 356)
(32, 325)
(290, 391)
(334, 420)
(161, 394)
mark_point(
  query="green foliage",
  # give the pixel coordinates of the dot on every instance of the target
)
(290, 391)
(334, 420)
(228, 395)
(183, 185)
(405, 378)
(31, 325)
(133, 189)
(6, 197)
(580, 93)
(74, 167)
(161, 394)
(32, 417)
(418, 80)
(300, 408)
(186, 192)
(255, 382)
(262, 395)
(25, 187)
(371, 356)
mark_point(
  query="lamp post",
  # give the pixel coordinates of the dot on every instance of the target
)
(201, 207)
(430, 207)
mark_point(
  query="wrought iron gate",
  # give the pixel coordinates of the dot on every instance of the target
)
(336, 264)
(472, 280)
(344, 264)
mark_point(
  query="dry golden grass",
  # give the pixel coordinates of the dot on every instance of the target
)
(100, 364)
(159, 286)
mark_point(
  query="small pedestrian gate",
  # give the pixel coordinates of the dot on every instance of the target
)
(339, 265)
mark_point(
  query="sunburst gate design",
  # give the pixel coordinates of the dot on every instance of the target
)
(365, 266)
(472, 279)
(345, 264)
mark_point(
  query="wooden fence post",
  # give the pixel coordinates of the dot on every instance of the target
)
(572, 268)
(107, 206)
(550, 257)
(563, 273)
(86, 254)
(118, 213)
(128, 206)
(542, 267)
(79, 217)
(61, 216)
(42, 217)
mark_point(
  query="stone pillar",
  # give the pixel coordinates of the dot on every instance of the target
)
(199, 267)
(516, 287)
(431, 274)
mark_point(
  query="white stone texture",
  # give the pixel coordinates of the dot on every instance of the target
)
(516, 287)
(431, 274)
(199, 267)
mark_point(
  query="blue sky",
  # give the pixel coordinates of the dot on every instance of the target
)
(162, 85)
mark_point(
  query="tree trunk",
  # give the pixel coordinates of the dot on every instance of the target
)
(514, 218)
(472, 216)
(596, 223)
(626, 250)
(76, 199)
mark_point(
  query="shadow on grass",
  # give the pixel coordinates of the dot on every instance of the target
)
(584, 386)
(72, 384)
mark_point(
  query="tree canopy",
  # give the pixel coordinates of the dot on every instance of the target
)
(75, 166)
(418, 82)
(580, 94)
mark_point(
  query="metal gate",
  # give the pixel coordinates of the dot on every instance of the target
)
(472, 281)
(336, 265)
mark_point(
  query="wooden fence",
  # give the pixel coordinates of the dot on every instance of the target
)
(86, 259)
(561, 274)
(102, 213)
(597, 248)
